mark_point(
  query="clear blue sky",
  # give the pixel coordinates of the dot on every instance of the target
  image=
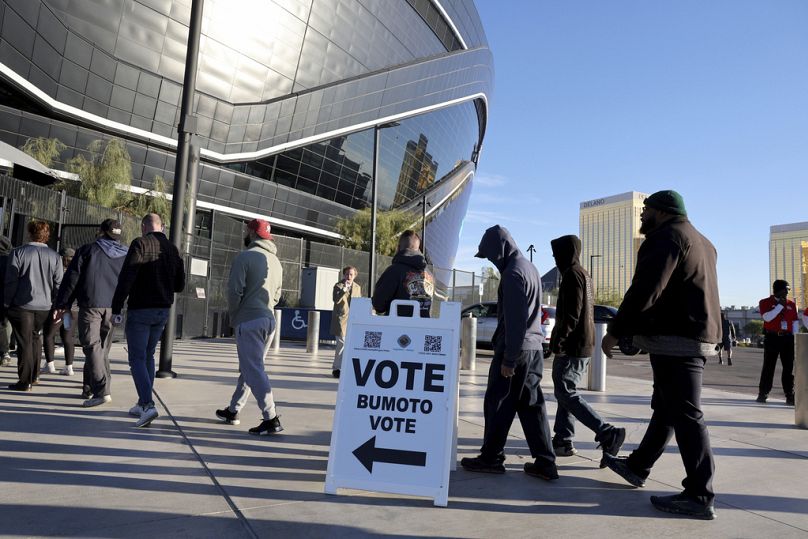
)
(594, 98)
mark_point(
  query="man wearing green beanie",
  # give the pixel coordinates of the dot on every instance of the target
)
(672, 310)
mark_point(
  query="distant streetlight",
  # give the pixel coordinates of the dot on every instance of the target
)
(591, 265)
(531, 249)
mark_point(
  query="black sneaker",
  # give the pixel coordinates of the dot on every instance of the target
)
(231, 418)
(19, 387)
(564, 449)
(729, 362)
(619, 465)
(761, 397)
(335, 373)
(611, 442)
(548, 473)
(478, 464)
(680, 504)
(790, 400)
(267, 427)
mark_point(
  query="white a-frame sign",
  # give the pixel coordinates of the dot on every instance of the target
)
(397, 403)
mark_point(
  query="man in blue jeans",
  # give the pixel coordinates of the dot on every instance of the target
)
(152, 273)
(572, 341)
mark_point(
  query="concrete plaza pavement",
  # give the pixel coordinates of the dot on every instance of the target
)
(70, 471)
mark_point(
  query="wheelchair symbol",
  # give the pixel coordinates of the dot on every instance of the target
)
(297, 321)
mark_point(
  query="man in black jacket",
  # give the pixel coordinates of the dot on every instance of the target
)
(406, 278)
(572, 341)
(152, 273)
(90, 280)
(516, 368)
(672, 310)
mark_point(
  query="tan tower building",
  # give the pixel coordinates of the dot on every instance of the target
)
(788, 257)
(609, 229)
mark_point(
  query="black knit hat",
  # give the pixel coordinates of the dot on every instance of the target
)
(112, 228)
(668, 201)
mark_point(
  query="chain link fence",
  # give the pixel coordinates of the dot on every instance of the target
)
(202, 307)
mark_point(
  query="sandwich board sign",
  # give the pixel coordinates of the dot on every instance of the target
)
(396, 413)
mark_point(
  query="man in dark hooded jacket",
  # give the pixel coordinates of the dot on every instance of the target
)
(572, 341)
(672, 310)
(90, 280)
(406, 278)
(516, 369)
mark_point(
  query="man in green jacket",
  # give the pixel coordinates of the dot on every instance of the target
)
(253, 290)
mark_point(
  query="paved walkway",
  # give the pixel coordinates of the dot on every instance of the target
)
(70, 471)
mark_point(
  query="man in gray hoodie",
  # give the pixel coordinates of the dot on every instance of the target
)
(516, 369)
(253, 290)
(33, 275)
(90, 280)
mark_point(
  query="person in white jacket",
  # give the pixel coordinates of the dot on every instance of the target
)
(253, 289)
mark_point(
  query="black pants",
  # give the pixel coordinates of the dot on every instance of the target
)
(27, 327)
(676, 402)
(777, 345)
(520, 394)
(4, 344)
(68, 337)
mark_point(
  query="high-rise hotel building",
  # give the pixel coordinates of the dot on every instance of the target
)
(788, 258)
(609, 228)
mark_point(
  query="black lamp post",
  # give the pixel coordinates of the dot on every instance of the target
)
(186, 128)
(531, 249)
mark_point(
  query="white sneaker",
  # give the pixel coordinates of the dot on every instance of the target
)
(97, 401)
(136, 410)
(67, 371)
(50, 367)
(149, 414)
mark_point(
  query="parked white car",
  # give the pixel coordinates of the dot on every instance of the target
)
(486, 315)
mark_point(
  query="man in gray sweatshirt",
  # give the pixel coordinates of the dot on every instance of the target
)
(253, 290)
(516, 369)
(33, 275)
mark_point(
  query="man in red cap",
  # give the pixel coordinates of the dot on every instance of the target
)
(253, 289)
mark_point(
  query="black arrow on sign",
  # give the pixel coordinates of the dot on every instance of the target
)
(368, 453)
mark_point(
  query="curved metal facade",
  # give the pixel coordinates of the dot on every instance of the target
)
(288, 94)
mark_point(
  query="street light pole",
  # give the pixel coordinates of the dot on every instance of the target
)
(186, 128)
(531, 249)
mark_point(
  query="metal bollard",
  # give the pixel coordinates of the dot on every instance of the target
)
(597, 365)
(468, 343)
(276, 343)
(801, 380)
(313, 332)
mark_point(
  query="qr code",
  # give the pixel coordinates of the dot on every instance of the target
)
(432, 343)
(373, 339)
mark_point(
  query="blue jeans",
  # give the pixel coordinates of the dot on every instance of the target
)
(143, 330)
(567, 374)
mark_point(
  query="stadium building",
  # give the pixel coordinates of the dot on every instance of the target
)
(289, 97)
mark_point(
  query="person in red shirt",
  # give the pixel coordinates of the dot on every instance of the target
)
(780, 323)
